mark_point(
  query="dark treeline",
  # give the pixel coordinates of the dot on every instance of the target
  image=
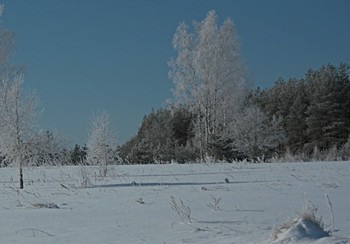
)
(165, 135)
(315, 110)
(314, 115)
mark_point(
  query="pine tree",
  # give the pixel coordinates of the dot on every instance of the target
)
(295, 121)
(317, 116)
(328, 113)
(78, 155)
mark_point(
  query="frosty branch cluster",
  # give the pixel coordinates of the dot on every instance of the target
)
(100, 146)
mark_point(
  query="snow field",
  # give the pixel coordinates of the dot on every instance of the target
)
(132, 204)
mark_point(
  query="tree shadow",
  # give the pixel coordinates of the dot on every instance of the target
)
(145, 184)
(237, 222)
(190, 173)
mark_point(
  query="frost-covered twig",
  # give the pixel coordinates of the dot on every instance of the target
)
(34, 230)
(309, 213)
(184, 212)
(330, 206)
(215, 204)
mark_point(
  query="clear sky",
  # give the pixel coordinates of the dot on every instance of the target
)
(86, 55)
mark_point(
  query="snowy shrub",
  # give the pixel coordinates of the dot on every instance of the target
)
(317, 154)
(288, 157)
(85, 178)
(344, 152)
(331, 154)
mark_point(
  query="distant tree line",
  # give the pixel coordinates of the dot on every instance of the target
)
(308, 118)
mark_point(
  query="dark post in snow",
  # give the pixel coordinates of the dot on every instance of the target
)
(21, 185)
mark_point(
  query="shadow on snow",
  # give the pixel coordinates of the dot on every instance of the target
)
(139, 184)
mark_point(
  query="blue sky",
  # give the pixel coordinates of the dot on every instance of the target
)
(86, 55)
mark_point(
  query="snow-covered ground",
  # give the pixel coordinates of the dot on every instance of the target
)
(228, 203)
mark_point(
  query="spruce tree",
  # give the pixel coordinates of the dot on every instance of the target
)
(295, 121)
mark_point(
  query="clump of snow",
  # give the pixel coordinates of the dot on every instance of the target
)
(299, 229)
(307, 226)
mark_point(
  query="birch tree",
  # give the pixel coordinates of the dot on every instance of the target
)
(17, 109)
(17, 122)
(208, 74)
(100, 144)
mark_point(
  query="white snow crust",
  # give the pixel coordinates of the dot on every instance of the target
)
(131, 205)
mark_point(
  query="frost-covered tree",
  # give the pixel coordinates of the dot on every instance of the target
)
(255, 135)
(208, 75)
(17, 122)
(47, 149)
(17, 109)
(100, 146)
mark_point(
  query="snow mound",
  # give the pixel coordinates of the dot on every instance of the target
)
(299, 229)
